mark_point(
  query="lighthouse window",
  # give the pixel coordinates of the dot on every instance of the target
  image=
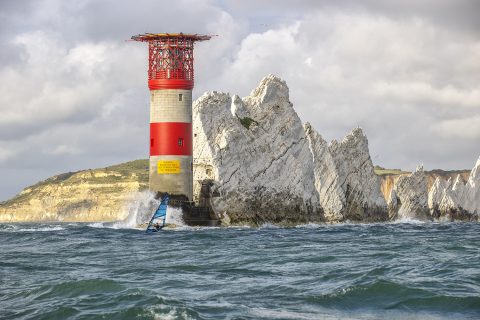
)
(180, 97)
(151, 143)
(180, 142)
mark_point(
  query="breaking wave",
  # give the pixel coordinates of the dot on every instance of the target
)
(30, 227)
(139, 212)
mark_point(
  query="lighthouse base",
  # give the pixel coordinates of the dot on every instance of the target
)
(192, 214)
(171, 174)
(199, 216)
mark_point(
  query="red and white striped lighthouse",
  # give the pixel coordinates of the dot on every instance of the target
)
(170, 79)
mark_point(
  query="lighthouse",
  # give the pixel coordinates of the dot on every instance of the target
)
(171, 80)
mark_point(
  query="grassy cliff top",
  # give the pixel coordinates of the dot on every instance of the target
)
(101, 175)
(379, 171)
(136, 170)
(139, 167)
(382, 172)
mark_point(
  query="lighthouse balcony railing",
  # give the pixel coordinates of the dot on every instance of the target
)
(171, 74)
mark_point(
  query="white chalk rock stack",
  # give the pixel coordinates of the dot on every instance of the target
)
(409, 197)
(265, 166)
(345, 179)
(256, 153)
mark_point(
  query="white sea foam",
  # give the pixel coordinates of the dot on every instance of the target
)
(171, 315)
(408, 220)
(238, 227)
(309, 225)
(40, 229)
(139, 213)
(30, 228)
(268, 225)
(280, 314)
(97, 225)
(175, 216)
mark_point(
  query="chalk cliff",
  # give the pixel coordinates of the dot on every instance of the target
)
(434, 195)
(84, 196)
(255, 152)
(265, 166)
(345, 180)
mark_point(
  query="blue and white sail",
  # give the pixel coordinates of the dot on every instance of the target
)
(157, 222)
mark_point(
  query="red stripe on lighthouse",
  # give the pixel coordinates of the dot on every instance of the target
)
(160, 84)
(170, 138)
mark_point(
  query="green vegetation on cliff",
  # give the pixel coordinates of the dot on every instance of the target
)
(380, 171)
(87, 195)
(137, 167)
(247, 122)
(136, 170)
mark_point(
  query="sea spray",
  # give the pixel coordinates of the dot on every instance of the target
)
(141, 209)
(175, 216)
(138, 212)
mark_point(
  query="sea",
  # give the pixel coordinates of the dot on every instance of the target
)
(400, 270)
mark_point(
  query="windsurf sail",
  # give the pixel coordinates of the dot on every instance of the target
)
(157, 222)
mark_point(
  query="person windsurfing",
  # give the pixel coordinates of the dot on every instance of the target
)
(160, 213)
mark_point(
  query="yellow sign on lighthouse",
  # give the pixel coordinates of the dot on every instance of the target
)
(168, 166)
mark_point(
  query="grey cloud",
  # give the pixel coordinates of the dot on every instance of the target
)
(459, 14)
(391, 77)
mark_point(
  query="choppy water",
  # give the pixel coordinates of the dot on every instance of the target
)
(375, 271)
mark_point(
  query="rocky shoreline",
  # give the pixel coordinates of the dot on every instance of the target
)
(264, 166)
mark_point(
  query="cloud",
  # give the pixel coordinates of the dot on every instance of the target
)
(421, 92)
(5, 154)
(461, 15)
(397, 78)
(57, 84)
(453, 129)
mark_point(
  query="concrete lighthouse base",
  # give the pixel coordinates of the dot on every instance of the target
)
(177, 182)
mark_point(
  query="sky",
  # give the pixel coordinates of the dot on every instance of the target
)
(73, 92)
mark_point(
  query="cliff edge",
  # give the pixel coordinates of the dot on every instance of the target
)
(84, 196)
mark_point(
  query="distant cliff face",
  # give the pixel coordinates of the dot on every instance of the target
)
(84, 196)
(390, 177)
(436, 194)
(455, 199)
